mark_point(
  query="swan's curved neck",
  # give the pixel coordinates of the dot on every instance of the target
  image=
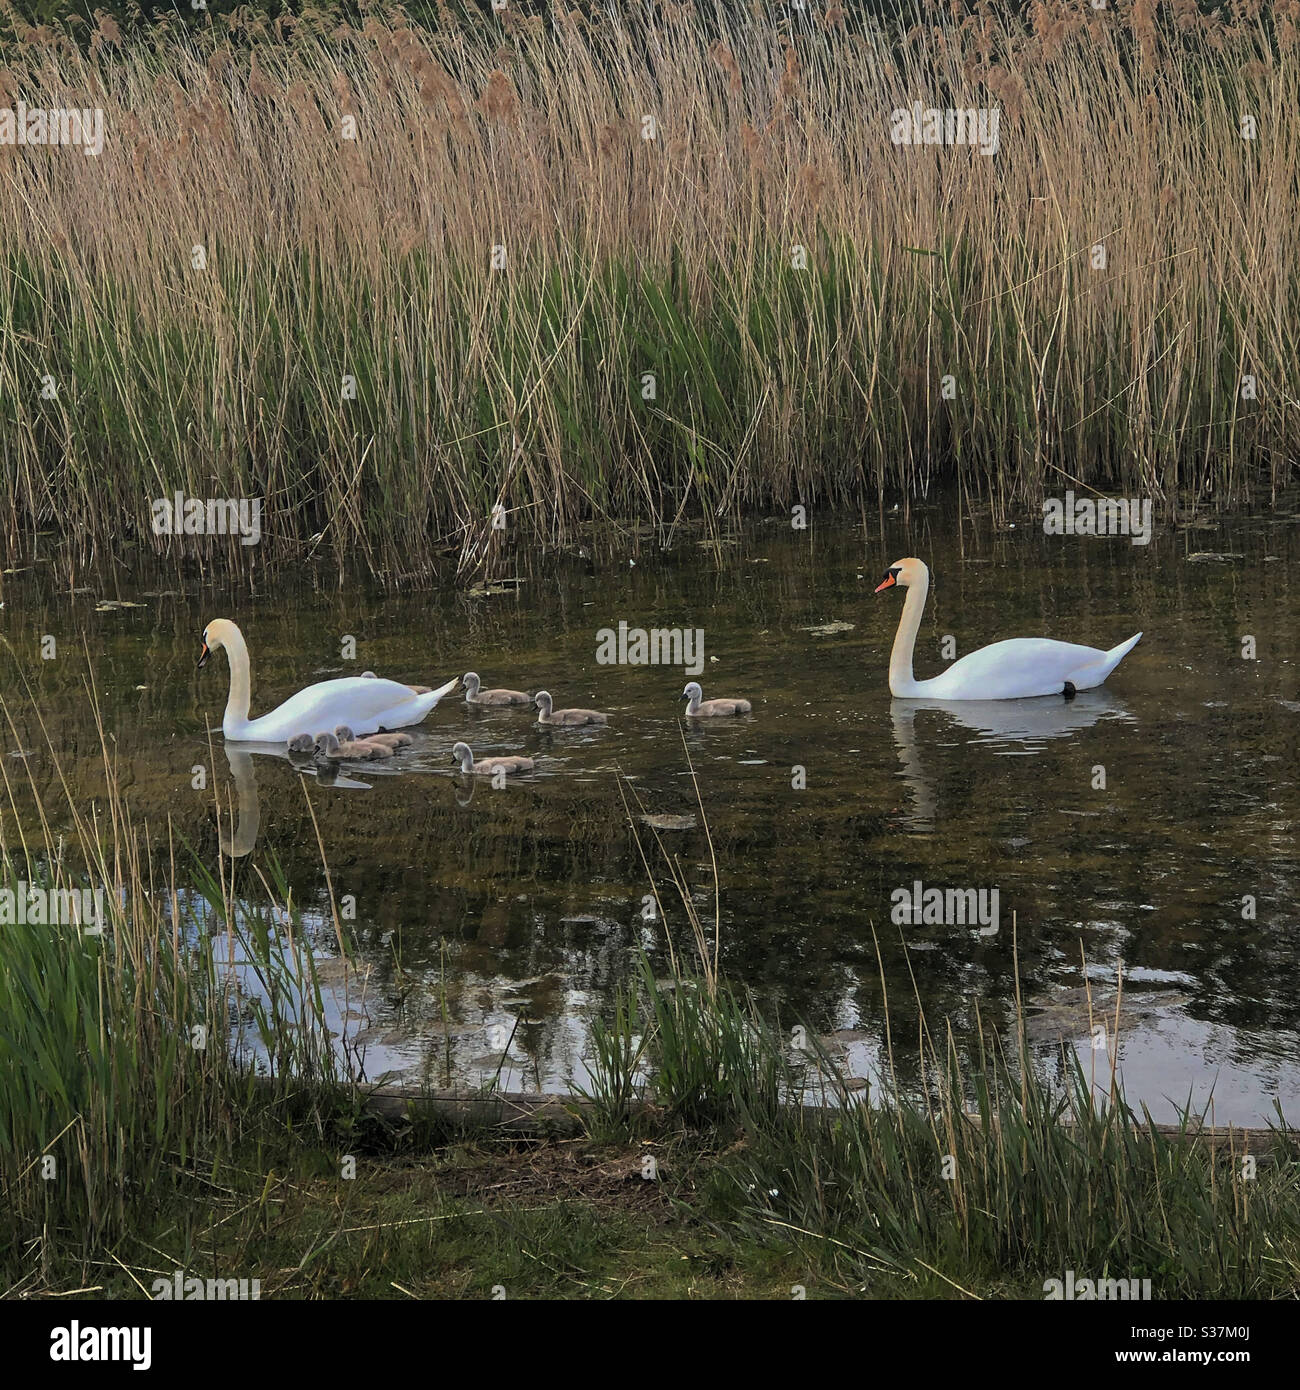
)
(240, 681)
(467, 761)
(901, 680)
(693, 705)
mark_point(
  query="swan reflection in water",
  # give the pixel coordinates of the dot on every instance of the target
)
(1012, 728)
(247, 811)
(1009, 727)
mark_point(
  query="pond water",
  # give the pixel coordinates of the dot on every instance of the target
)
(492, 925)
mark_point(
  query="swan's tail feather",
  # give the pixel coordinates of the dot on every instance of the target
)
(1094, 674)
(409, 711)
(427, 701)
(1117, 654)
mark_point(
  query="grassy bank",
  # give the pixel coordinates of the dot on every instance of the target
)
(316, 1198)
(767, 303)
(146, 1034)
(165, 1112)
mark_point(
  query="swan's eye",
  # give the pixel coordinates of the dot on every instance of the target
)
(894, 573)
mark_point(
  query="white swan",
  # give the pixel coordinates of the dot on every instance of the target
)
(367, 704)
(1016, 669)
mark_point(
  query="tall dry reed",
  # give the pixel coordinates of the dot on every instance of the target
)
(719, 286)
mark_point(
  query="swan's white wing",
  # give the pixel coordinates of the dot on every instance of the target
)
(363, 702)
(1015, 669)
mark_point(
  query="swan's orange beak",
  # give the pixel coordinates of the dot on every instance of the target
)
(203, 657)
(887, 582)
